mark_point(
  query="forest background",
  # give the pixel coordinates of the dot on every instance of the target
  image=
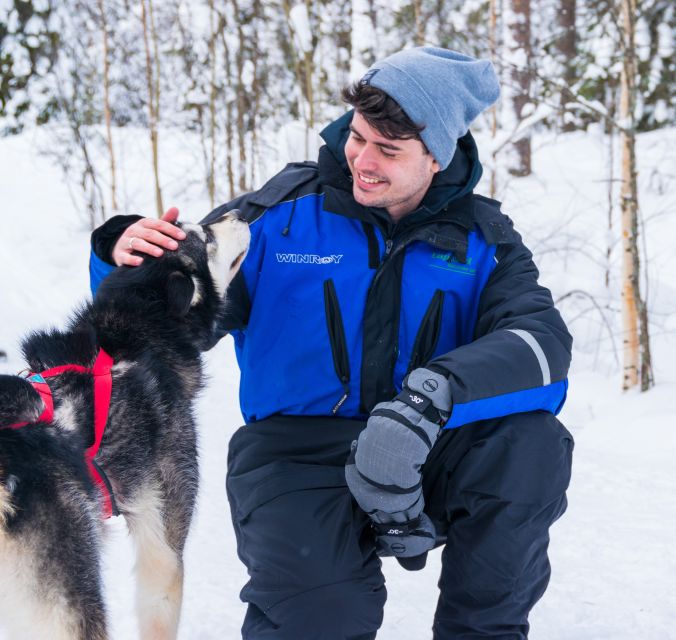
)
(252, 82)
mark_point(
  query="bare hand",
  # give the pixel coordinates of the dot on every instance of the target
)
(148, 235)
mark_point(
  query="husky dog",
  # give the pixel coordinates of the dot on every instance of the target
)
(153, 320)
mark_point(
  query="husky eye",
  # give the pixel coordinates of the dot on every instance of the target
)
(210, 237)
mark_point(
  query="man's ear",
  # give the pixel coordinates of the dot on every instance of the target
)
(180, 290)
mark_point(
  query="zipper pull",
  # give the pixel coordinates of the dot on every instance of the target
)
(340, 402)
(388, 246)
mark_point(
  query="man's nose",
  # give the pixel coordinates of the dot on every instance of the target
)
(366, 158)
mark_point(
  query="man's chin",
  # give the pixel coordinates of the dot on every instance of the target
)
(364, 199)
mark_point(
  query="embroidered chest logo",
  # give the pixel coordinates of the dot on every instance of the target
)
(448, 262)
(308, 258)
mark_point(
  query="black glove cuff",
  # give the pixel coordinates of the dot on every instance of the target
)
(397, 529)
(422, 404)
(105, 236)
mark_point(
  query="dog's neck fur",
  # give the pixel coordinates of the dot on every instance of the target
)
(159, 340)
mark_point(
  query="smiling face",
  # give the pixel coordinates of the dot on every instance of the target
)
(392, 174)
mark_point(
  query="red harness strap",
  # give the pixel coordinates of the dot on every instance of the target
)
(103, 386)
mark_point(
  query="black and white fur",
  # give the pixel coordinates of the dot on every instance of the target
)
(154, 320)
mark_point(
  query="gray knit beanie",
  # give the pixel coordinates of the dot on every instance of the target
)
(441, 89)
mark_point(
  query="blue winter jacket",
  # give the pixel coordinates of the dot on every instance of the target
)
(334, 304)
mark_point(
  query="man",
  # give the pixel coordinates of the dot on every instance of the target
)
(378, 287)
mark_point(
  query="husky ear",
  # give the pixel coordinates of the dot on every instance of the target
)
(180, 290)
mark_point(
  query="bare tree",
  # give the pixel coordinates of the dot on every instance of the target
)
(257, 86)
(213, 91)
(229, 134)
(302, 53)
(637, 357)
(153, 82)
(419, 37)
(106, 103)
(76, 83)
(519, 54)
(342, 34)
(73, 151)
(241, 96)
(566, 45)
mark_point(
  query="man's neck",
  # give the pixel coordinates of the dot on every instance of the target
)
(397, 213)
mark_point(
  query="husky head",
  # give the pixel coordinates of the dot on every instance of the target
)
(183, 290)
(226, 240)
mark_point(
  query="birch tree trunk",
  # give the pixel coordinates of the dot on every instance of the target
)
(211, 166)
(419, 37)
(106, 105)
(308, 55)
(343, 38)
(637, 357)
(519, 53)
(229, 135)
(303, 54)
(152, 69)
(566, 44)
(241, 98)
(256, 90)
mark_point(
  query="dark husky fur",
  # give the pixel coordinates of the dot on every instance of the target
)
(154, 321)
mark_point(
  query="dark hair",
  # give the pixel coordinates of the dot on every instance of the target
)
(382, 112)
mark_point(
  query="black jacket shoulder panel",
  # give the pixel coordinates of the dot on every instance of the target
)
(282, 186)
(496, 227)
(292, 181)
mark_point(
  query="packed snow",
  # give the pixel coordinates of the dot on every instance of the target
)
(613, 557)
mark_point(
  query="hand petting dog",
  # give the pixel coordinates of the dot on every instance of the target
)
(149, 236)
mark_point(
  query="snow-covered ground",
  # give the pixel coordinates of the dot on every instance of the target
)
(613, 557)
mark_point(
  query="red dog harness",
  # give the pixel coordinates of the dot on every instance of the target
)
(103, 386)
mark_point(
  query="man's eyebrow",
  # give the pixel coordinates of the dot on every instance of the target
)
(384, 145)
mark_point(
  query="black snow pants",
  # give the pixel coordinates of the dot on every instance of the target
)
(492, 488)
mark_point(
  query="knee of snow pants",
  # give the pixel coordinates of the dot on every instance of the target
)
(494, 488)
(308, 548)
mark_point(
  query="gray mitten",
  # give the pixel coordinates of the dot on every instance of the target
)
(383, 470)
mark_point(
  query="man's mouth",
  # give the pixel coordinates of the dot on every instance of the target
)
(369, 180)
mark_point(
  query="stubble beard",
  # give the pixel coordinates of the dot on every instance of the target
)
(387, 202)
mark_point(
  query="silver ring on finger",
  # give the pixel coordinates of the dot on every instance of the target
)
(130, 244)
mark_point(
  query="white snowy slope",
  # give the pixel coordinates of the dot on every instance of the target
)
(613, 558)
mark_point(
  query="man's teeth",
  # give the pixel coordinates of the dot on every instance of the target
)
(369, 180)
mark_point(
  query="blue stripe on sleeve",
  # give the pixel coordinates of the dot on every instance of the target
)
(98, 270)
(549, 398)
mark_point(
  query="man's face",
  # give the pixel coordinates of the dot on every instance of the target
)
(392, 174)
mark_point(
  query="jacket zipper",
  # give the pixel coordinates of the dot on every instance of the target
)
(428, 334)
(334, 324)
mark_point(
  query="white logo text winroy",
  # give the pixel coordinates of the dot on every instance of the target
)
(308, 258)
